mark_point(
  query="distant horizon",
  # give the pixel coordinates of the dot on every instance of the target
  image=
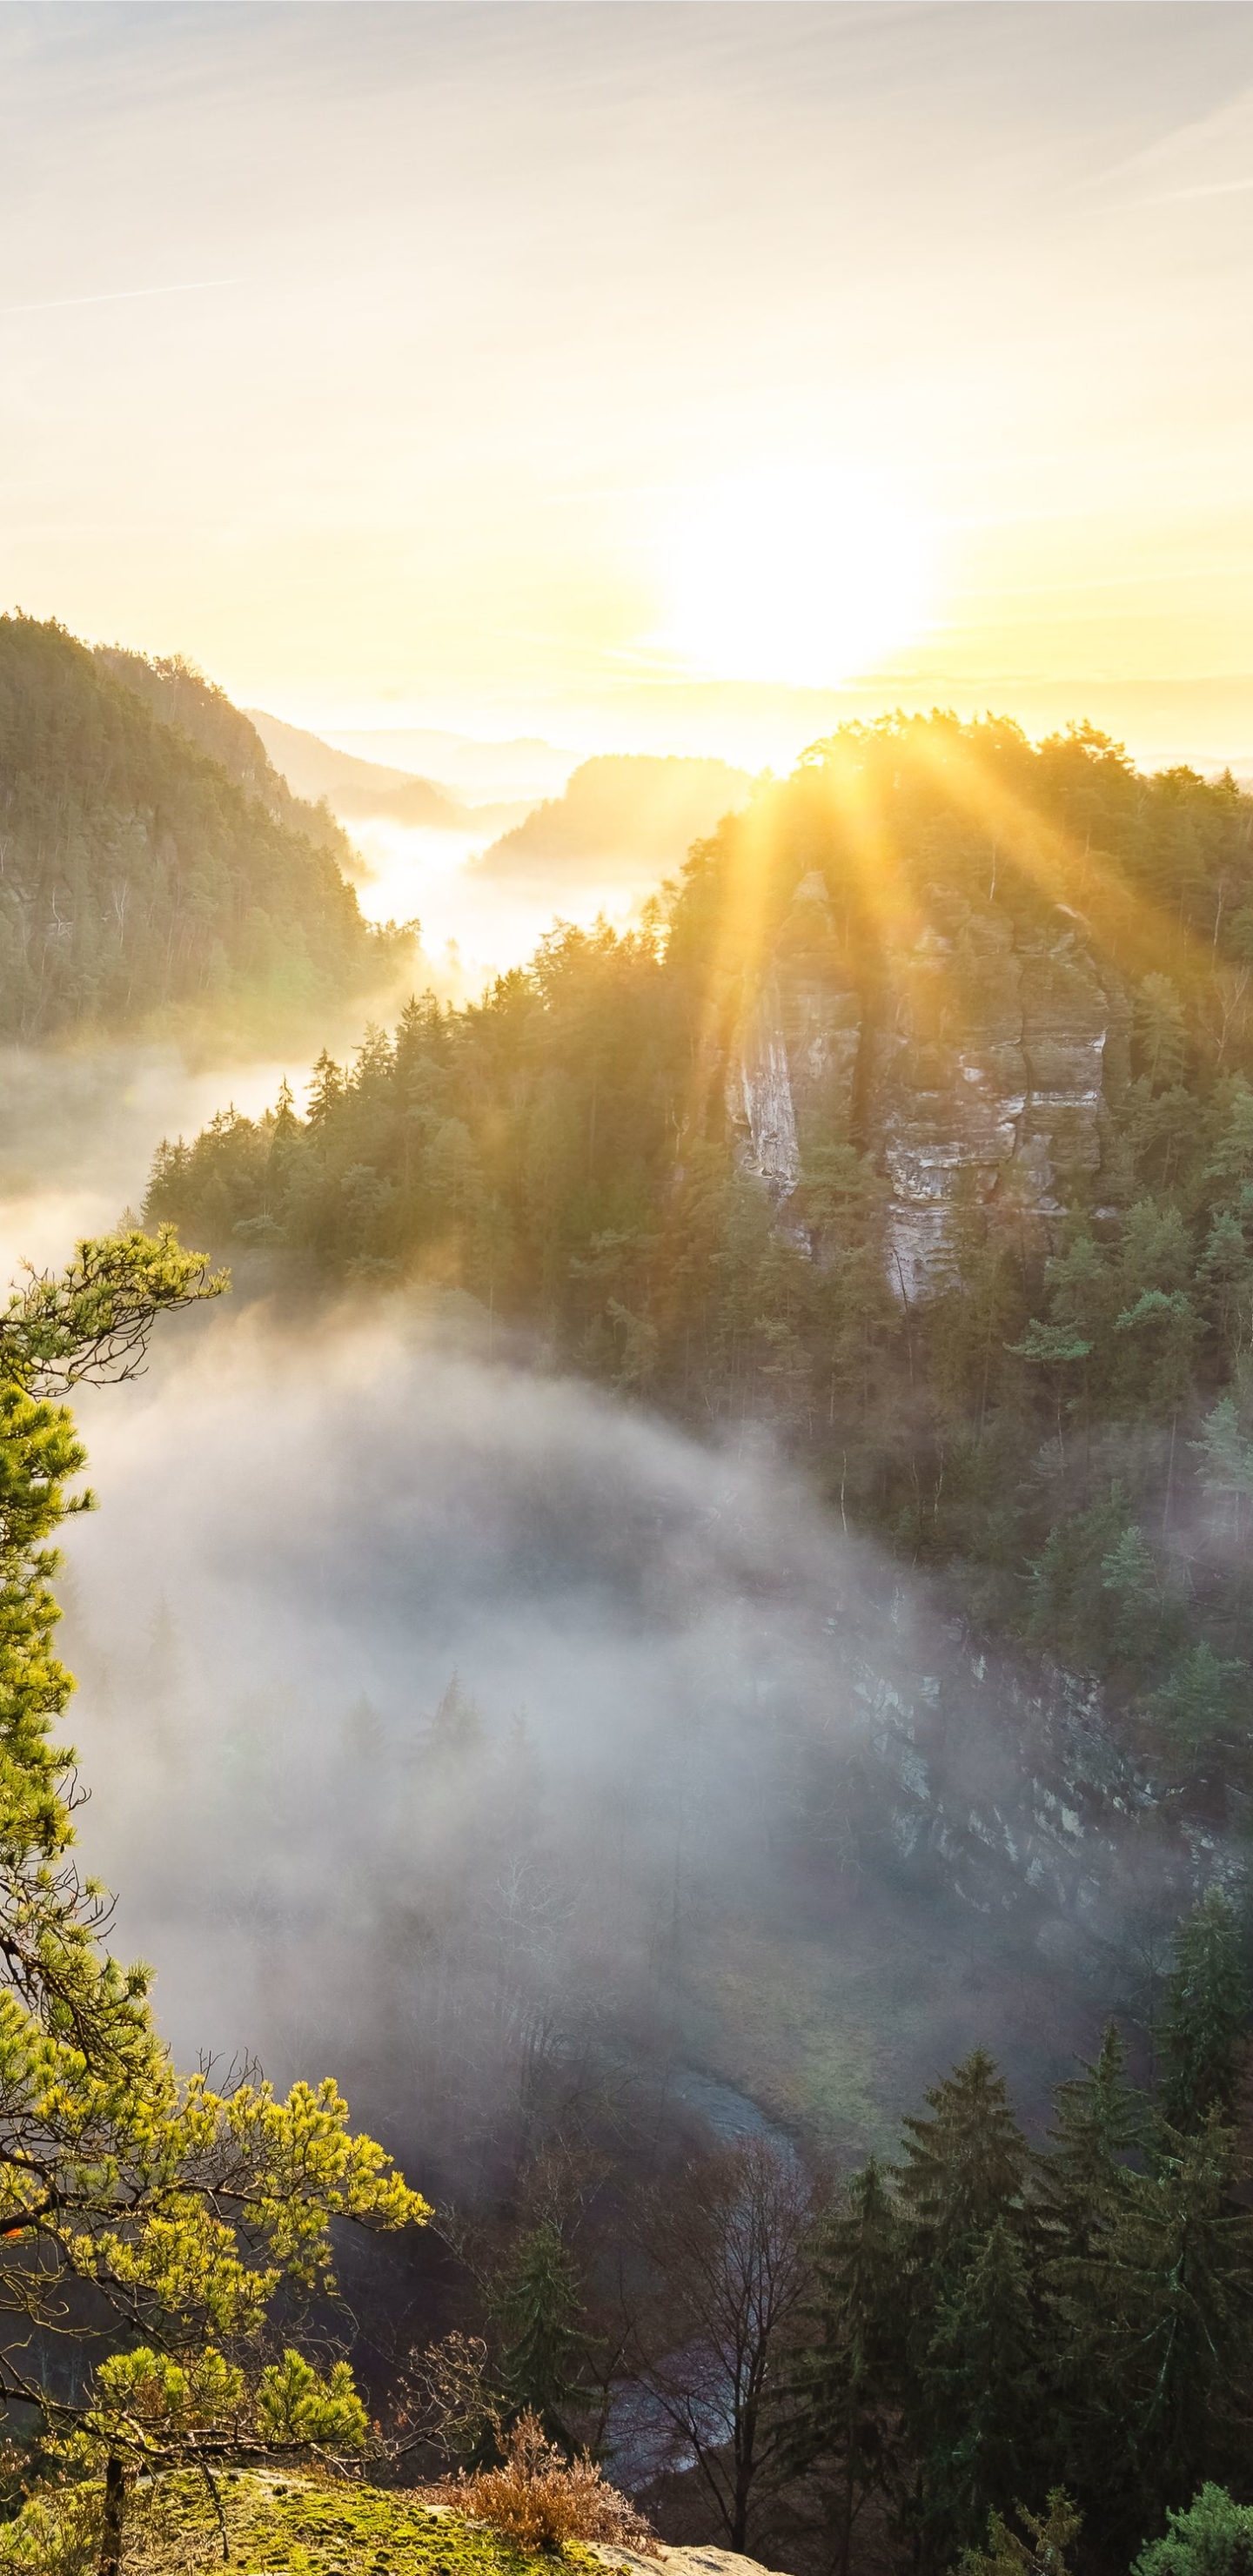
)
(475, 391)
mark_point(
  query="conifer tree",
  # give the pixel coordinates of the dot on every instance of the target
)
(849, 2377)
(984, 2394)
(1208, 2011)
(966, 2165)
(1213, 2537)
(150, 2221)
(536, 2301)
(1174, 2293)
(1043, 2552)
(1099, 2122)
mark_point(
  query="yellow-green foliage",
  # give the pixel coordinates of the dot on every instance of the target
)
(177, 2207)
(292, 2526)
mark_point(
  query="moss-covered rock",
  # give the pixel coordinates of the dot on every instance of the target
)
(292, 2526)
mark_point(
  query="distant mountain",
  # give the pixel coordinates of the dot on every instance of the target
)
(517, 771)
(357, 790)
(150, 857)
(622, 814)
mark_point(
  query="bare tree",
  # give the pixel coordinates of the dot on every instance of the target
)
(729, 2249)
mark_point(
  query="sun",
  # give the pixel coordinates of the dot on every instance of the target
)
(802, 576)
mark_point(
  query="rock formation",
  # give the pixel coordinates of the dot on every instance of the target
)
(973, 1064)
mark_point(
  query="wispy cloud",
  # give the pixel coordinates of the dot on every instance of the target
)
(121, 295)
(1206, 188)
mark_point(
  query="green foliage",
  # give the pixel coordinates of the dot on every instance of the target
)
(1213, 2537)
(1208, 2010)
(570, 1153)
(1043, 2552)
(536, 2304)
(144, 873)
(151, 2221)
(289, 2523)
(991, 2324)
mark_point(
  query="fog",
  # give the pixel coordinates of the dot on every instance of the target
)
(304, 1535)
(474, 927)
(78, 1126)
(494, 1744)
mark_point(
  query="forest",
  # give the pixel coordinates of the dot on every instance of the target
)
(154, 869)
(1055, 1415)
(898, 1163)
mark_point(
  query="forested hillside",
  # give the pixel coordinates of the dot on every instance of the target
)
(918, 1124)
(622, 815)
(151, 861)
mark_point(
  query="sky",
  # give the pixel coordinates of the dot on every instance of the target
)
(644, 376)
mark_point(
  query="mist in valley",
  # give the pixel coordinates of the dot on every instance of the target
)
(498, 1747)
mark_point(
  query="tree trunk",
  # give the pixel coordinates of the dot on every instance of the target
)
(114, 2517)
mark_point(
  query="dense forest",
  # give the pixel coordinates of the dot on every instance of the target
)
(994, 1283)
(973, 2354)
(152, 864)
(886, 2370)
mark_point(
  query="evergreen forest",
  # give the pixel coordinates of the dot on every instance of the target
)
(155, 872)
(1047, 1400)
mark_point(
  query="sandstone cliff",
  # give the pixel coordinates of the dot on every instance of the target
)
(973, 1062)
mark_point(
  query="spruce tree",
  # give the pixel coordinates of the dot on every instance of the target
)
(535, 2302)
(1171, 2344)
(1083, 2183)
(848, 2380)
(1208, 2006)
(1100, 2121)
(984, 2395)
(965, 2166)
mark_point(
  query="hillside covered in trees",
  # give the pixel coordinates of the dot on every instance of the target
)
(152, 863)
(917, 1124)
(621, 816)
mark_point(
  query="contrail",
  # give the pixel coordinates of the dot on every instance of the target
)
(121, 295)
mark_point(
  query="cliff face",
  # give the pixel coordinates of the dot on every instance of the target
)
(972, 1062)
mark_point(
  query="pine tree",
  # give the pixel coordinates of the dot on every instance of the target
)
(985, 2400)
(1170, 2363)
(535, 2303)
(965, 2166)
(154, 2220)
(1050, 2536)
(1214, 2537)
(848, 2379)
(1100, 2121)
(1208, 2011)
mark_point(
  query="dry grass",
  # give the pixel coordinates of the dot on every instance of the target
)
(540, 2500)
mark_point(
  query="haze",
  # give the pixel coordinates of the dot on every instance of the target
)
(439, 357)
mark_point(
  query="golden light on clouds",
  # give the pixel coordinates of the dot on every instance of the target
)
(805, 576)
(641, 378)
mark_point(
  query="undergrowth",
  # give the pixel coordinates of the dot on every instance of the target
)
(540, 2500)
